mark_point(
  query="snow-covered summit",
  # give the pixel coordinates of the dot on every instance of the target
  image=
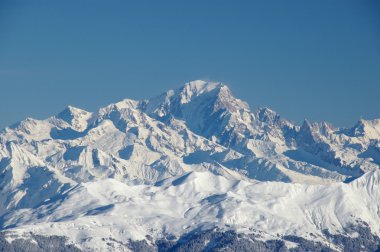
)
(77, 118)
(366, 128)
(199, 87)
(189, 143)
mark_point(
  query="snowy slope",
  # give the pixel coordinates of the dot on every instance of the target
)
(188, 159)
(201, 201)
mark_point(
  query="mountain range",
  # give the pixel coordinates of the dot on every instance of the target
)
(185, 171)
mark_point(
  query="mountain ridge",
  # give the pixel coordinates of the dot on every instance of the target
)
(209, 110)
(162, 146)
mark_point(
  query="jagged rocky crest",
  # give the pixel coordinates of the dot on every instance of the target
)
(171, 142)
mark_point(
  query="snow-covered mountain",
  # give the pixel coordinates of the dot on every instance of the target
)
(193, 159)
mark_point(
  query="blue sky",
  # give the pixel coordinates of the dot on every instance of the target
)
(318, 60)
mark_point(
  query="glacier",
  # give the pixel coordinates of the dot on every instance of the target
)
(191, 160)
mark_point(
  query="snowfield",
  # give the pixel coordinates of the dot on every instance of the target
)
(201, 200)
(192, 160)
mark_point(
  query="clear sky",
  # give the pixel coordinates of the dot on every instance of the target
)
(318, 60)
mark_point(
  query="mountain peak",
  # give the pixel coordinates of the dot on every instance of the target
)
(70, 112)
(267, 115)
(202, 92)
(199, 87)
(75, 116)
(316, 128)
(202, 85)
(195, 94)
(369, 128)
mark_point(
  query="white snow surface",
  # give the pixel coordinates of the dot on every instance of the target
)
(192, 158)
(117, 212)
